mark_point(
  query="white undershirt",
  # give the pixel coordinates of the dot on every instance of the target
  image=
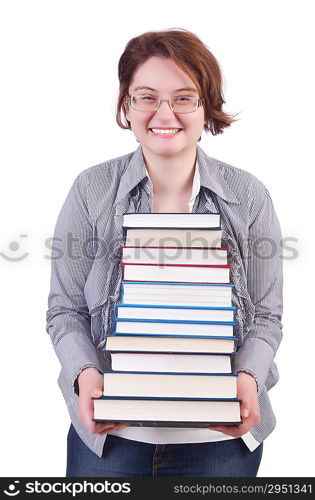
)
(169, 435)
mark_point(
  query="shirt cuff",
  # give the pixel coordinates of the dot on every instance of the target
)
(255, 357)
(75, 352)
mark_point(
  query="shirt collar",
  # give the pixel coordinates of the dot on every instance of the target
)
(208, 168)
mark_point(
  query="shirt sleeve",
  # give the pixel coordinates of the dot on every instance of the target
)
(265, 286)
(67, 319)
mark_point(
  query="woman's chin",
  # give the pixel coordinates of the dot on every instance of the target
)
(162, 147)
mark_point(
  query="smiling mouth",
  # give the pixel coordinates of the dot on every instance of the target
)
(165, 131)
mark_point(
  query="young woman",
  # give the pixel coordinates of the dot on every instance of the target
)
(170, 91)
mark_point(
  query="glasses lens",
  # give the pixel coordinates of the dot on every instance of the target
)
(180, 104)
(184, 104)
(144, 102)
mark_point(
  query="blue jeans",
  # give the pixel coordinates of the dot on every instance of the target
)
(124, 457)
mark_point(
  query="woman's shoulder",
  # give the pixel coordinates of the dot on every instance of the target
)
(238, 177)
(108, 169)
(97, 186)
(245, 186)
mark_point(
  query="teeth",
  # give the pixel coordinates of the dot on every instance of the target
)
(162, 131)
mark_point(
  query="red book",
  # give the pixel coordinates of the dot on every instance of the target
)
(176, 272)
(173, 254)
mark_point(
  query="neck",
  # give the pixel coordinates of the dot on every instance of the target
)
(171, 175)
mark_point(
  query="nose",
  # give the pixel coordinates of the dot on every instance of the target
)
(164, 110)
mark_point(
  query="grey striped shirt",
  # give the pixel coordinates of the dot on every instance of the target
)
(86, 275)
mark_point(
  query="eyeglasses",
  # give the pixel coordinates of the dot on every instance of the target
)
(179, 104)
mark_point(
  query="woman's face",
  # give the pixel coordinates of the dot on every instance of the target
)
(166, 78)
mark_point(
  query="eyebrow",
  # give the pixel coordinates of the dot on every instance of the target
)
(154, 90)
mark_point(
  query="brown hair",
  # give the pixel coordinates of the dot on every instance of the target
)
(192, 56)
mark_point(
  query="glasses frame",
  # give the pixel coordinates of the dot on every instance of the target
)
(129, 100)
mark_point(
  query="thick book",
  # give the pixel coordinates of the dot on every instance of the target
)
(166, 293)
(172, 385)
(172, 219)
(176, 272)
(151, 311)
(170, 412)
(173, 254)
(174, 327)
(189, 362)
(169, 343)
(174, 236)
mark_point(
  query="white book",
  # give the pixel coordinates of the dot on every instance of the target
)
(168, 272)
(174, 255)
(172, 220)
(173, 385)
(191, 294)
(150, 311)
(163, 343)
(167, 412)
(171, 362)
(174, 237)
(167, 327)
(193, 302)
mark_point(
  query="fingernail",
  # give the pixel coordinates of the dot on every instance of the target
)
(245, 413)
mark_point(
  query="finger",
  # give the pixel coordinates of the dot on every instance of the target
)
(101, 427)
(96, 393)
(106, 431)
(223, 428)
(114, 428)
(110, 427)
(122, 426)
(234, 431)
(245, 409)
(105, 428)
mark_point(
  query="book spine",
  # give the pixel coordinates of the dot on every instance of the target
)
(226, 266)
(154, 306)
(118, 351)
(230, 337)
(176, 283)
(159, 398)
(220, 249)
(145, 320)
(173, 373)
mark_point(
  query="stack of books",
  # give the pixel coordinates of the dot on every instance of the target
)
(173, 340)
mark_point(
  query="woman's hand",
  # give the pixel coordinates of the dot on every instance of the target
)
(90, 383)
(250, 413)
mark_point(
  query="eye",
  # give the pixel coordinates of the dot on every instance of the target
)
(147, 98)
(184, 99)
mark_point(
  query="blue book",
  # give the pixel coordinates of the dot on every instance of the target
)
(174, 327)
(167, 312)
(167, 412)
(188, 362)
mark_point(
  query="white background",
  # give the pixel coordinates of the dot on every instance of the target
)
(58, 93)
